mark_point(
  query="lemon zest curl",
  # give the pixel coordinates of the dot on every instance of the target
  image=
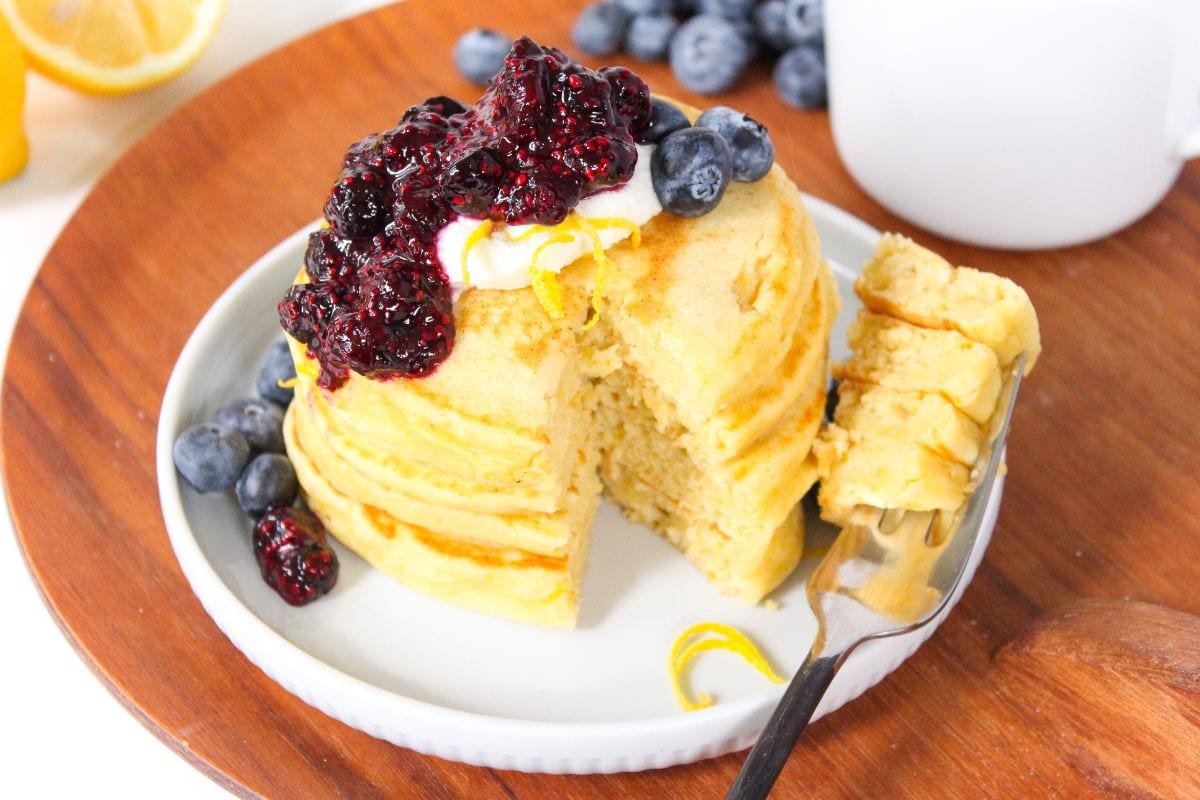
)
(545, 282)
(688, 646)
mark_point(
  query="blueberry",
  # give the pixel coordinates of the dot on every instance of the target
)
(277, 366)
(690, 170)
(753, 152)
(600, 29)
(800, 76)
(665, 119)
(210, 457)
(268, 480)
(770, 24)
(733, 9)
(649, 36)
(479, 54)
(708, 53)
(745, 27)
(804, 21)
(647, 6)
(260, 422)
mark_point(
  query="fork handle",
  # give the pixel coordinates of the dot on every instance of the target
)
(775, 743)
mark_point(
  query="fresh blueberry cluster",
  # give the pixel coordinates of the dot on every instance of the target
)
(242, 448)
(709, 43)
(692, 165)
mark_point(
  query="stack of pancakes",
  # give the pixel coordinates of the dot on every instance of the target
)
(928, 352)
(694, 402)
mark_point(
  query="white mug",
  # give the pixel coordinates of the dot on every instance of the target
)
(1015, 123)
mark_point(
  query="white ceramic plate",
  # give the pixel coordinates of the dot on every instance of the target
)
(468, 687)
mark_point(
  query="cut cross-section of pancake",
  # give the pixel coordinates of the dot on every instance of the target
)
(898, 355)
(912, 283)
(922, 381)
(925, 418)
(894, 449)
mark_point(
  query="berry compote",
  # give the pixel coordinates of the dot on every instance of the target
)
(546, 133)
(292, 553)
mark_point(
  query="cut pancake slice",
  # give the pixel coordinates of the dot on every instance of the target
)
(735, 518)
(896, 354)
(925, 418)
(909, 282)
(886, 473)
(894, 449)
(922, 381)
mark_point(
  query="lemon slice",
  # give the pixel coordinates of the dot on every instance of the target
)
(14, 148)
(113, 46)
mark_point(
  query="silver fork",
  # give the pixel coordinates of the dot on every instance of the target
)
(888, 572)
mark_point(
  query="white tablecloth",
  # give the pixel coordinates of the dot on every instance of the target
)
(61, 733)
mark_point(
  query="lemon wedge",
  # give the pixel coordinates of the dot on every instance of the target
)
(113, 46)
(14, 147)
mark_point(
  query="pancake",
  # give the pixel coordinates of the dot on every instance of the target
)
(505, 581)
(909, 282)
(924, 418)
(859, 468)
(894, 453)
(922, 381)
(899, 355)
(694, 403)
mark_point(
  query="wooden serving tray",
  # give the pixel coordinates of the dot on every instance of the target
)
(1102, 497)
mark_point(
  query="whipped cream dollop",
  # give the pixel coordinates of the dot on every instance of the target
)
(503, 258)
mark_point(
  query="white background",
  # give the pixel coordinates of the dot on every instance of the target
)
(61, 733)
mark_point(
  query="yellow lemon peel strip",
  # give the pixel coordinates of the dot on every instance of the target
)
(290, 383)
(572, 223)
(684, 650)
(545, 282)
(589, 227)
(547, 291)
(635, 230)
(601, 259)
(482, 231)
(564, 232)
(308, 368)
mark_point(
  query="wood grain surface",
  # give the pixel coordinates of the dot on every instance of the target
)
(1102, 501)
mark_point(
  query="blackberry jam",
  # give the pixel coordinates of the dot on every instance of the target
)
(547, 133)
